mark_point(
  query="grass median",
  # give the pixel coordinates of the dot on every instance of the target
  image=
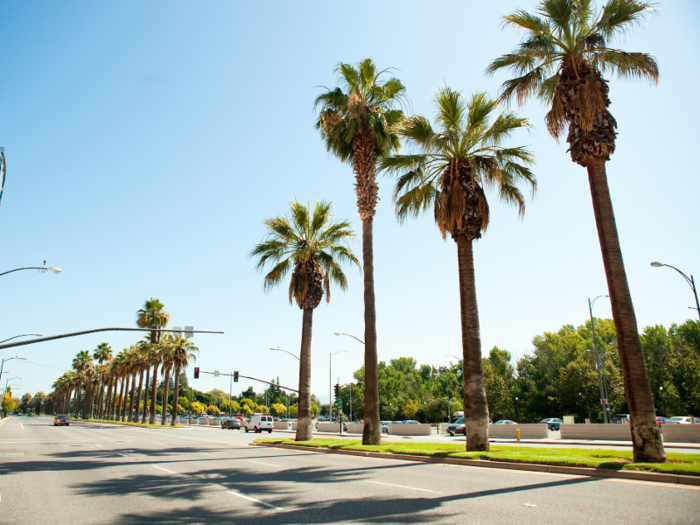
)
(685, 464)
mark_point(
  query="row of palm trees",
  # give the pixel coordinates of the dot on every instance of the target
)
(109, 382)
(560, 61)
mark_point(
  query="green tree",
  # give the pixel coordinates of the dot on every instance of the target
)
(561, 61)
(357, 122)
(278, 409)
(448, 170)
(310, 245)
(184, 352)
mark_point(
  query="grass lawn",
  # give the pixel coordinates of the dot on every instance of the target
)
(687, 464)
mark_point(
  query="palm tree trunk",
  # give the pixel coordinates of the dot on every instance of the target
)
(138, 397)
(476, 410)
(130, 415)
(118, 415)
(100, 401)
(164, 412)
(107, 413)
(79, 396)
(372, 432)
(86, 401)
(125, 404)
(646, 436)
(304, 422)
(145, 396)
(115, 395)
(154, 397)
(176, 393)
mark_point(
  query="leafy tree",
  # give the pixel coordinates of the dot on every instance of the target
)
(278, 409)
(448, 170)
(357, 123)
(213, 411)
(411, 409)
(561, 61)
(310, 245)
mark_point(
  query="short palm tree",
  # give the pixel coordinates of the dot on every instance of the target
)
(448, 170)
(356, 122)
(310, 245)
(184, 352)
(561, 61)
(81, 364)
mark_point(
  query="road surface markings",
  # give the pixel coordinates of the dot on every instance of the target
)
(122, 454)
(98, 445)
(253, 500)
(261, 463)
(161, 468)
(20, 424)
(398, 486)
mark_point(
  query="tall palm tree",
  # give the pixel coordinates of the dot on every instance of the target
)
(166, 358)
(155, 360)
(448, 169)
(151, 314)
(102, 354)
(311, 245)
(142, 364)
(561, 61)
(81, 363)
(356, 123)
(184, 352)
(147, 349)
(134, 366)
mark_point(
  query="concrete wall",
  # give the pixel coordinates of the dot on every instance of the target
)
(610, 432)
(282, 425)
(527, 431)
(355, 428)
(328, 427)
(681, 433)
(442, 430)
(410, 430)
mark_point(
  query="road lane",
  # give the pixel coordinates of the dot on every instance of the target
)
(91, 473)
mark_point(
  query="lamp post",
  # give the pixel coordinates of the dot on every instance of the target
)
(2, 365)
(517, 409)
(23, 335)
(689, 280)
(603, 393)
(330, 382)
(349, 335)
(42, 269)
(278, 349)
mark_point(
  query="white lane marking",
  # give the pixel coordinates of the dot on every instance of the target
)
(98, 445)
(253, 499)
(161, 468)
(20, 424)
(398, 486)
(261, 463)
(122, 454)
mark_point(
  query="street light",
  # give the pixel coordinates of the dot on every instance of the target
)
(330, 383)
(2, 365)
(689, 280)
(603, 391)
(23, 335)
(278, 349)
(42, 269)
(349, 335)
(517, 409)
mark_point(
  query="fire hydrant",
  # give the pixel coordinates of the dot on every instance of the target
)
(517, 434)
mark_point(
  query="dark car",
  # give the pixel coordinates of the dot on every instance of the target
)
(61, 419)
(229, 424)
(456, 427)
(553, 423)
(620, 418)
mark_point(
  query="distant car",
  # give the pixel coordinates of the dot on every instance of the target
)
(505, 422)
(553, 423)
(620, 418)
(30, 414)
(230, 424)
(681, 420)
(385, 426)
(61, 419)
(410, 422)
(456, 427)
(660, 420)
(259, 422)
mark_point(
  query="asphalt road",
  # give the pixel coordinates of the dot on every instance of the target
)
(94, 474)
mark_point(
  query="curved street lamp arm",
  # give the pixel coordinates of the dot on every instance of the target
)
(689, 280)
(23, 335)
(28, 268)
(73, 334)
(286, 351)
(350, 335)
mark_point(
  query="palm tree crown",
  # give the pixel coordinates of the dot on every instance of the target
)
(152, 313)
(561, 60)
(310, 244)
(450, 166)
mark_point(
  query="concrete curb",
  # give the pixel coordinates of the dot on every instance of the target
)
(578, 471)
(588, 443)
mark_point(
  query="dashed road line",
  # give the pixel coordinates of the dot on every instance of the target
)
(261, 463)
(122, 454)
(161, 468)
(21, 425)
(253, 500)
(98, 445)
(399, 486)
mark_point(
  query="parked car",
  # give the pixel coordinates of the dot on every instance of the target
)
(505, 422)
(258, 423)
(230, 424)
(620, 418)
(681, 420)
(410, 422)
(553, 423)
(61, 419)
(456, 427)
(661, 420)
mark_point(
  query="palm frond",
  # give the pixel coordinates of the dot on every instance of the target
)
(621, 16)
(628, 65)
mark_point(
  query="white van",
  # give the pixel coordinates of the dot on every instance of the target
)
(258, 423)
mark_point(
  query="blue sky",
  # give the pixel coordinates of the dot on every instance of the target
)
(147, 141)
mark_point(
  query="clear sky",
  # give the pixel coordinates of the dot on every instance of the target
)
(147, 141)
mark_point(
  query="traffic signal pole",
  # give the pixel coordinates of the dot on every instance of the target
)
(236, 374)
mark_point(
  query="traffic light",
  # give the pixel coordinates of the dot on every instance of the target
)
(235, 377)
(196, 372)
(337, 391)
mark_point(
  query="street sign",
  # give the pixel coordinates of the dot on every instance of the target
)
(216, 373)
(189, 332)
(177, 331)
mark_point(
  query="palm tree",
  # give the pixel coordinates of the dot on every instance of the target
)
(142, 364)
(133, 367)
(147, 349)
(102, 354)
(81, 363)
(449, 169)
(166, 358)
(311, 245)
(357, 127)
(152, 315)
(155, 360)
(561, 61)
(184, 352)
